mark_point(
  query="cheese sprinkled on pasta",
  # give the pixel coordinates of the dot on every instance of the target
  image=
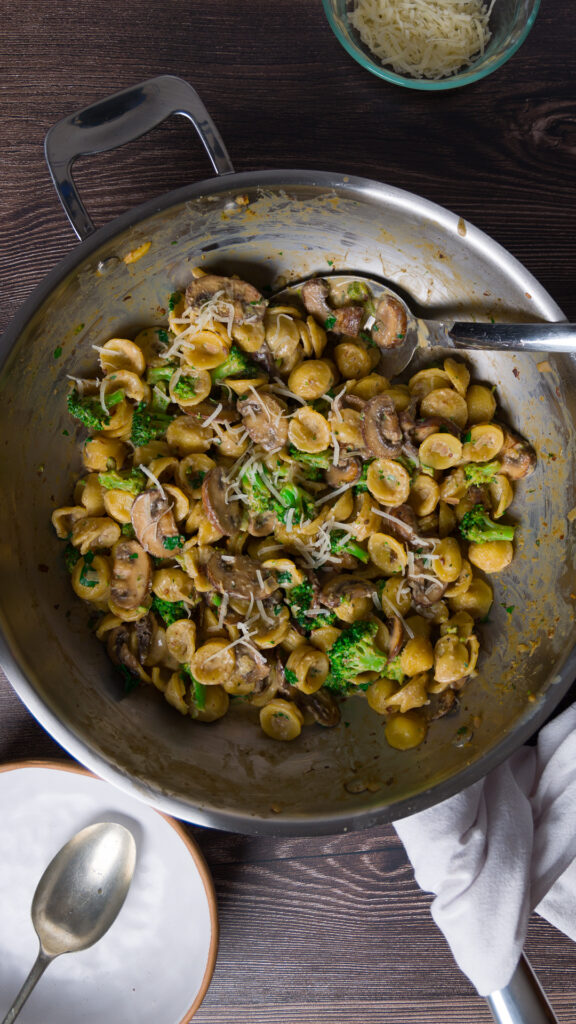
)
(423, 38)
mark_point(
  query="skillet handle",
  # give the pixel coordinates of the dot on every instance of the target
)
(122, 118)
(523, 1000)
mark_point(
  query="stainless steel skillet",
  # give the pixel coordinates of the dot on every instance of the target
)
(271, 227)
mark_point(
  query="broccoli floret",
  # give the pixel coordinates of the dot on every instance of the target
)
(394, 671)
(319, 460)
(260, 498)
(354, 652)
(481, 472)
(236, 364)
(89, 411)
(293, 496)
(477, 527)
(160, 399)
(132, 480)
(198, 690)
(169, 611)
(148, 425)
(185, 387)
(278, 498)
(338, 544)
(300, 599)
(154, 374)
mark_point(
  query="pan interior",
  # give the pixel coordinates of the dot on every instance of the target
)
(229, 774)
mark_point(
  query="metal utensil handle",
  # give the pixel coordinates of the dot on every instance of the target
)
(547, 337)
(523, 1000)
(40, 964)
(122, 118)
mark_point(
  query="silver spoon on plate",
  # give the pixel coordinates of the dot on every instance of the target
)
(78, 897)
(356, 304)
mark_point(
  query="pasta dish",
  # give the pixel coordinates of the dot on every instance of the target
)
(264, 517)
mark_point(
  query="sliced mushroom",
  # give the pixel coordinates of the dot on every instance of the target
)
(153, 522)
(444, 704)
(353, 588)
(353, 402)
(340, 319)
(517, 457)
(251, 666)
(248, 304)
(262, 524)
(396, 635)
(389, 330)
(225, 515)
(347, 471)
(240, 576)
(321, 705)
(131, 574)
(118, 647)
(432, 425)
(403, 524)
(381, 428)
(264, 419)
(426, 589)
(144, 630)
(265, 358)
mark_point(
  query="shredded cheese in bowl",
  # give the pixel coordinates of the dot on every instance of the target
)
(423, 38)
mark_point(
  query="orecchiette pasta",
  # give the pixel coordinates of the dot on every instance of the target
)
(264, 516)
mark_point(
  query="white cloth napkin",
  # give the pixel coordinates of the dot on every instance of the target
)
(499, 850)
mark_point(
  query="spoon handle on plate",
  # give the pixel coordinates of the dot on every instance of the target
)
(545, 337)
(40, 965)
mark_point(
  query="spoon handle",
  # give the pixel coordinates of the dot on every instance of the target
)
(42, 961)
(546, 337)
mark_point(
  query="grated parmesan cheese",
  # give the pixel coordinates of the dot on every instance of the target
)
(154, 479)
(423, 38)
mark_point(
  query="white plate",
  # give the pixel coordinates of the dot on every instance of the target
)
(155, 963)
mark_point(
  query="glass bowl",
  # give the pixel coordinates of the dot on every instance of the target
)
(510, 23)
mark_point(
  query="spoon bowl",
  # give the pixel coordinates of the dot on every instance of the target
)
(79, 896)
(388, 322)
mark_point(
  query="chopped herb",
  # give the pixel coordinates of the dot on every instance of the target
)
(71, 556)
(79, 328)
(130, 680)
(195, 477)
(329, 322)
(467, 437)
(171, 543)
(169, 611)
(174, 300)
(58, 352)
(291, 677)
(84, 579)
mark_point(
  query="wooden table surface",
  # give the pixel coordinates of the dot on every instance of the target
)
(331, 929)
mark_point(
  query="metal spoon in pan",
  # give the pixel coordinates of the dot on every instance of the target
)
(79, 896)
(352, 304)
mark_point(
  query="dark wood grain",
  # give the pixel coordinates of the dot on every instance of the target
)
(331, 929)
